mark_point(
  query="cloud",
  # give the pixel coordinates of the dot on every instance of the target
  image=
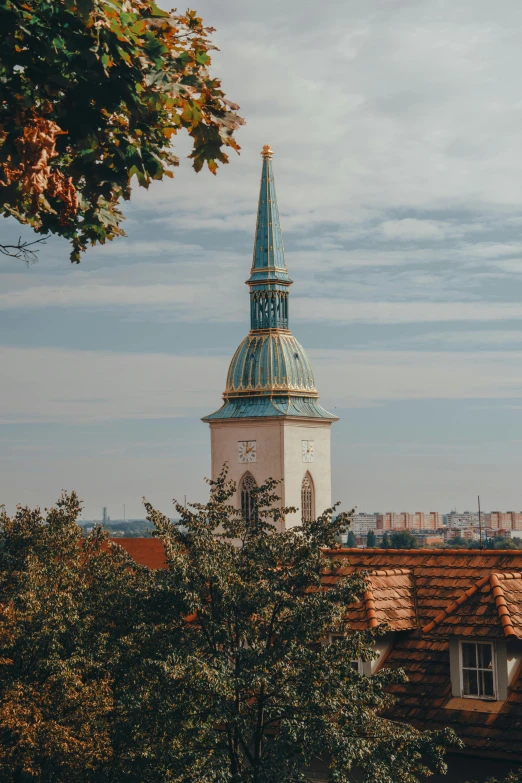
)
(187, 302)
(395, 111)
(183, 297)
(414, 229)
(70, 387)
(407, 375)
(410, 229)
(407, 312)
(75, 387)
(397, 108)
(462, 339)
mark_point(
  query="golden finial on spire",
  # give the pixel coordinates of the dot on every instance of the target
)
(267, 152)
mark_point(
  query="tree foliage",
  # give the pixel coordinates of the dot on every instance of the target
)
(399, 539)
(351, 540)
(495, 542)
(57, 631)
(91, 94)
(503, 542)
(212, 670)
(513, 777)
(266, 698)
(371, 541)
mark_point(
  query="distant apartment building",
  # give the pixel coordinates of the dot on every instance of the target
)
(362, 523)
(467, 519)
(429, 537)
(457, 523)
(506, 520)
(390, 521)
(469, 533)
(405, 520)
(434, 520)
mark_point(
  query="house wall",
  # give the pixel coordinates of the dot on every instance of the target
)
(514, 659)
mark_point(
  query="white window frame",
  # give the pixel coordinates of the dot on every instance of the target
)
(494, 697)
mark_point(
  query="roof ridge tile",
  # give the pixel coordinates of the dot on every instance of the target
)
(391, 572)
(508, 574)
(369, 605)
(485, 553)
(502, 607)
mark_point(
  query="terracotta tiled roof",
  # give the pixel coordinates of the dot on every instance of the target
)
(145, 551)
(497, 594)
(459, 592)
(389, 600)
(441, 576)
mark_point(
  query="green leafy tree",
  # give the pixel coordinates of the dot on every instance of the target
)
(351, 540)
(513, 777)
(75, 628)
(458, 542)
(91, 94)
(54, 700)
(503, 542)
(267, 696)
(386, 544)
(402, 539)
(370, 539)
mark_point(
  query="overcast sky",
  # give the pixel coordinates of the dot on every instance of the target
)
(397, 131)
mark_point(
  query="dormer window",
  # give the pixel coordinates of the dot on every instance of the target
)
(478, 670)
(483, 670)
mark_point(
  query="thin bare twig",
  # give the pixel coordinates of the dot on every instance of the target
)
(22, 250)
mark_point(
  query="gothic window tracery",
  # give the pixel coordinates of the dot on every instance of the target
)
(307, 499)
(247, 497)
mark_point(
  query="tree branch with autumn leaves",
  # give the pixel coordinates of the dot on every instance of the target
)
(92, 93)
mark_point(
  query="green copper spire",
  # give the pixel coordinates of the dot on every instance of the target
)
(269, 281)
(270, 374)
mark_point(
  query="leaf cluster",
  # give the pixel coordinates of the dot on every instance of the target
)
(69, 654)
(371, 540)
(91, 94)
(399, 539)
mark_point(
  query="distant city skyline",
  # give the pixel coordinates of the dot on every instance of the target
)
(358, 513)
(399, 179)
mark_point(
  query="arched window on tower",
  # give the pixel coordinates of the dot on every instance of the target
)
(247, 497)
(307, 499)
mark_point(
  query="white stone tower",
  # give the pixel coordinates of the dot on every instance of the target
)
(271, 423)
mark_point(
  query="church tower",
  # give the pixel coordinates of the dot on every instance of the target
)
(271, 424)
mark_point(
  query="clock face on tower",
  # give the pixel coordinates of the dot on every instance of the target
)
(308, 450)
(246, 451)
